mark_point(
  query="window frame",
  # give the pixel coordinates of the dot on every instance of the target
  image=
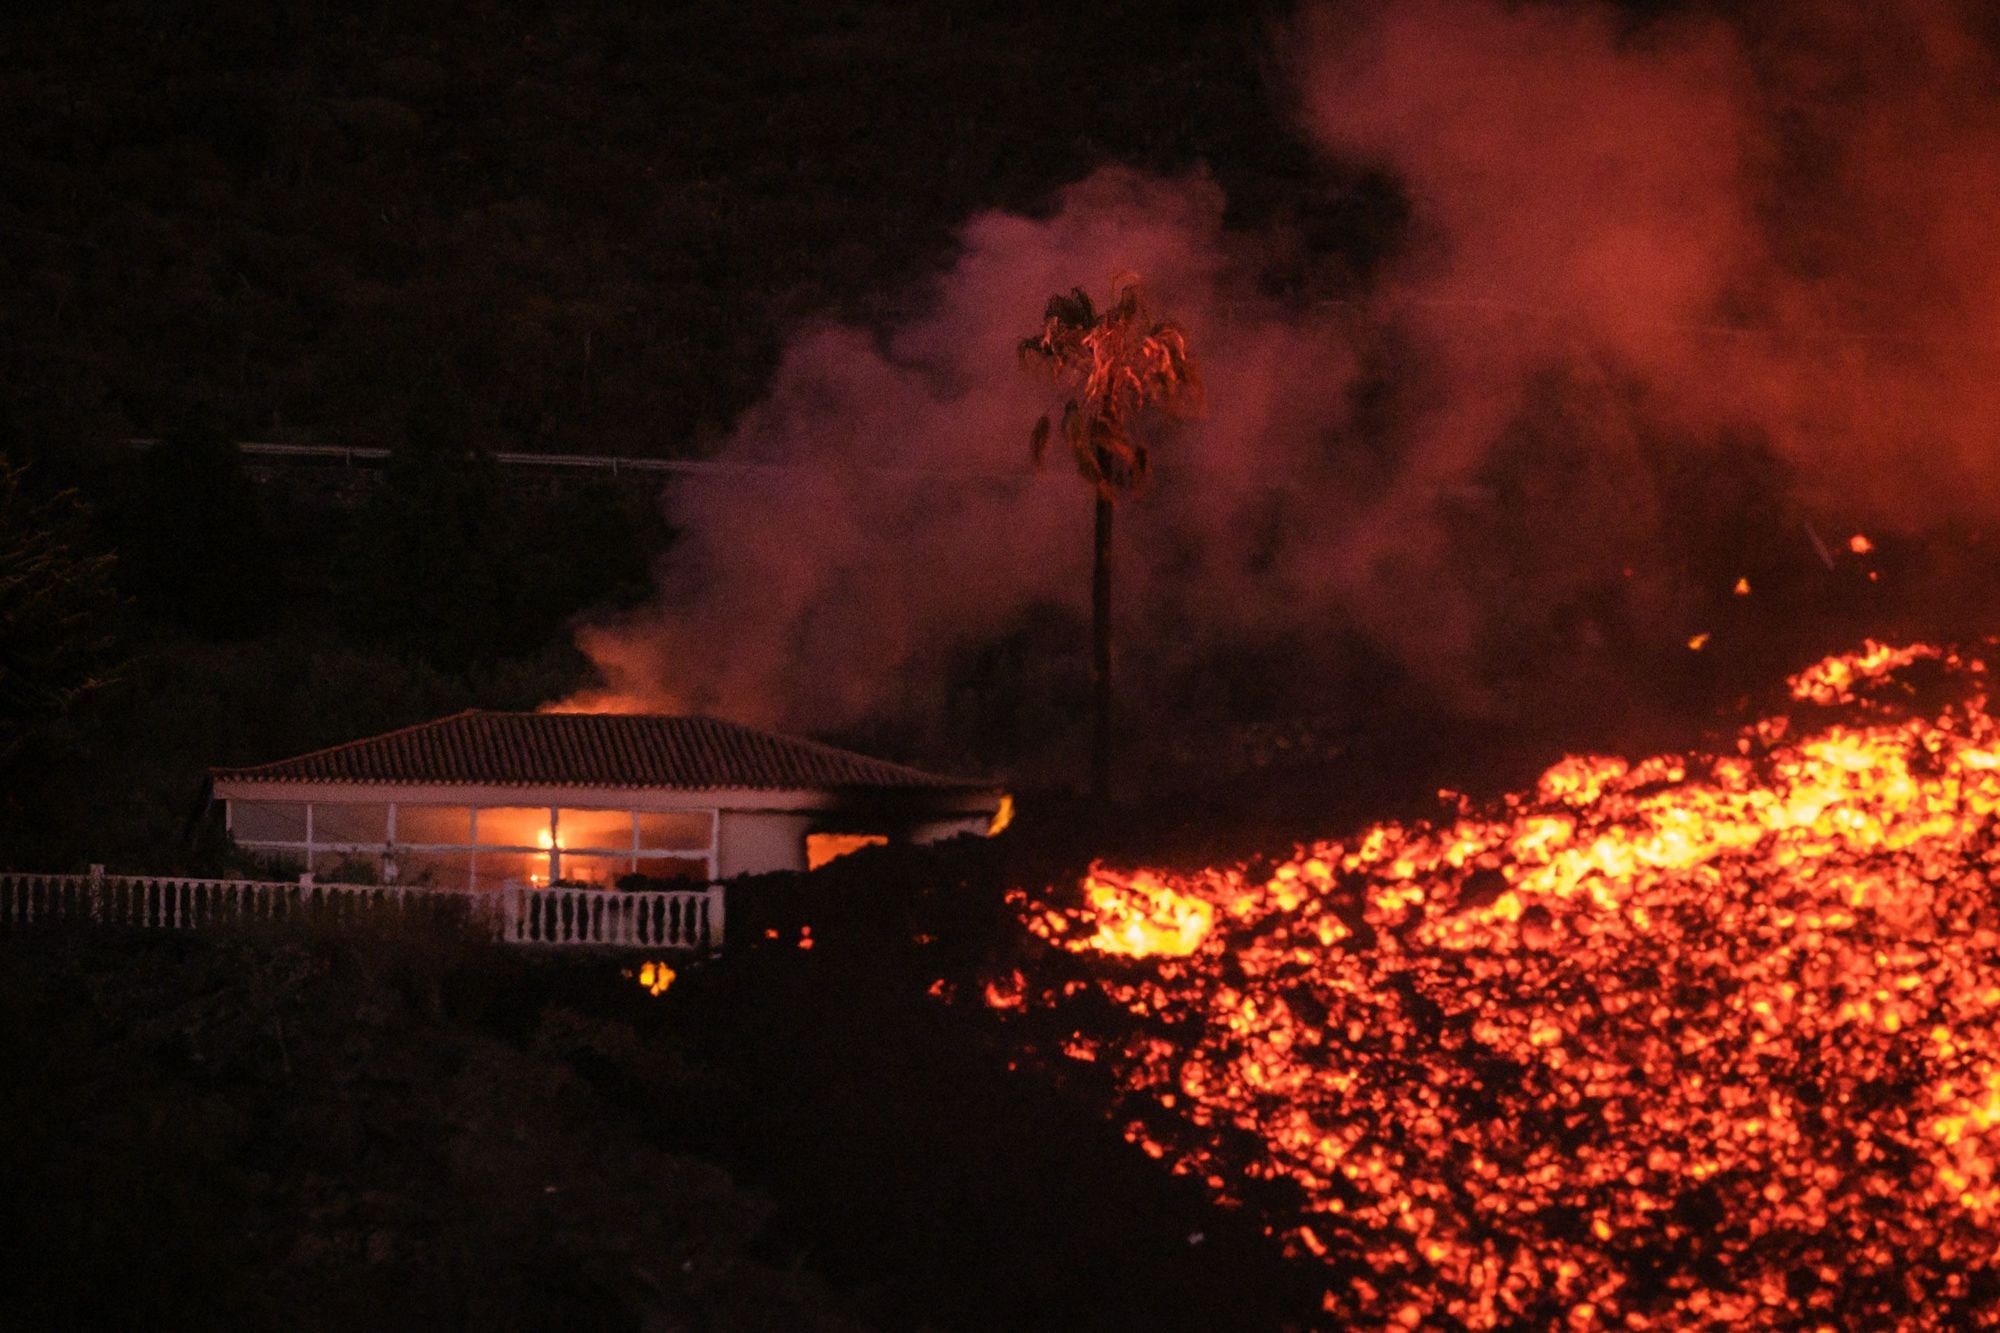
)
(636, 856)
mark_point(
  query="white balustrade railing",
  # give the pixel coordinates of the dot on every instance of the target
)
(555, 918)
(561, 917)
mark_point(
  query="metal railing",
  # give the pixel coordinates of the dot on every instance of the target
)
(557, 918)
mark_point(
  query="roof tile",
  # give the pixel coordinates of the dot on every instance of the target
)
(594, 750)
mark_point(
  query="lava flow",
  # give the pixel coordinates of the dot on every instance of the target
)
(1680, 1043)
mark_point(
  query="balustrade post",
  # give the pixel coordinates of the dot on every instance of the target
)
(715, 906)
(96, 892)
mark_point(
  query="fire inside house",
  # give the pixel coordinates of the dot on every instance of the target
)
(488, 800)
(1695, 1041)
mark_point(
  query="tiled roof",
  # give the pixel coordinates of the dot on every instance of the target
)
(594, 750)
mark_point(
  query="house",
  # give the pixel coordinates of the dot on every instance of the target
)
(487, 800)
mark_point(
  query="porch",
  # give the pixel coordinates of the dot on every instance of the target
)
(547, 918)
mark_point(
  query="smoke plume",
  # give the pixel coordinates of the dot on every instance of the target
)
(1669, 290)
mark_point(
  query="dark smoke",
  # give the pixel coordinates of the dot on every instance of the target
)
(1670, 291)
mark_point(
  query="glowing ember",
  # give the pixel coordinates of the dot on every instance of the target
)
(1833, 680)
(1141, 916)
(1859, 544)
(1687, 1042)
(655, 977)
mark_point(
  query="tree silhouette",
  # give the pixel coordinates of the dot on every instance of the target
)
(56, 601)
(1124, 375)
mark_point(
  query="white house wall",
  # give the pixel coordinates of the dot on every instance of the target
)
(941, 829)
(755, 842)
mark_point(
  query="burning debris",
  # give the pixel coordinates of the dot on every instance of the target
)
(1689, 1041)
(654, 977)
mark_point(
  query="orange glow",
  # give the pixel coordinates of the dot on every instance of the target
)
(1742, 588)
(1688, 1041)
(1002, 817)
(1859, 544)
(1834, 680)
(825, 848)
(655, 977)
(1140, 916)
(1698, 642)
(605, 701)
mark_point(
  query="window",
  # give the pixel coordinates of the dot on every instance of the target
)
(514, 826)
(360, 823)
(676, 830)
(610, 830)
(488, 847)
(331, 867)
(441, 825)
(279, 863)
(675, 869)
(435, 870)
(499, 869)
(595, 868)
(267, 821)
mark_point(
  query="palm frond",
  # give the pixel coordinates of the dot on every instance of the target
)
(1074, 309)
(1121, 371)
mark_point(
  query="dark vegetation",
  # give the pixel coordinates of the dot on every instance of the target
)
(397, 1127)
(590, 224)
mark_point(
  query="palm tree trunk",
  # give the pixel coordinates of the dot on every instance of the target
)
(1100, 670)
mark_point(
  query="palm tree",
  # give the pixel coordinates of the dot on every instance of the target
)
(1122, 375)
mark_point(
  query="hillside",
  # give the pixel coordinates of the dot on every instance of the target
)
(591, 224)
(402, 1128)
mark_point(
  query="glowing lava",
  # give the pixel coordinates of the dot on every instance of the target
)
(1687, 1042)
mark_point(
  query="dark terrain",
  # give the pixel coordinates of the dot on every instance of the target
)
(398, 1127)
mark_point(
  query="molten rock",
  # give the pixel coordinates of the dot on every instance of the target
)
(1686, 1042)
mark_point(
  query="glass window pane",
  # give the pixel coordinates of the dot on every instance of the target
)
(367, 823)
(610, 829)
(674, 870)
(279, 865)
(603, 871)
(267, 821)
(435, 870)
(676, 830)
(499, 869)
(448, 825)
(346, 867)
(514, 826)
